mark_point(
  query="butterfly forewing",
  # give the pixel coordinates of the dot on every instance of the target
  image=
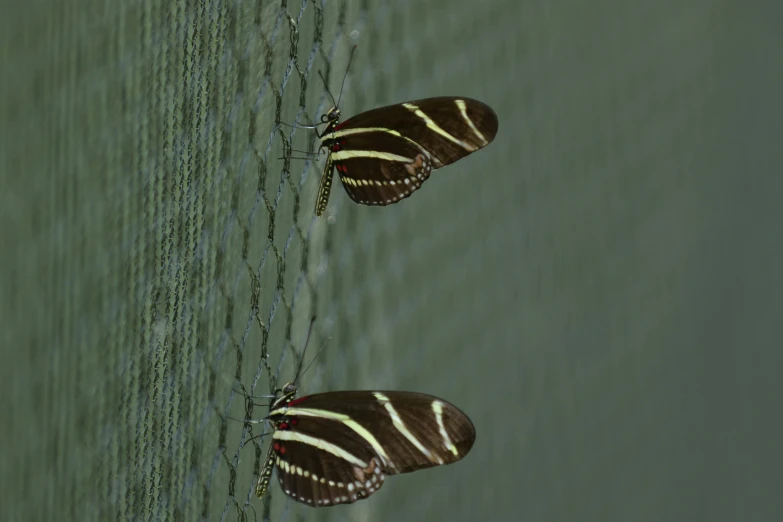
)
(337, 448)
(448, 128)
(385, 154)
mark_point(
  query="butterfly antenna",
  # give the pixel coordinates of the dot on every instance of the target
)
(327, 87)
(321, 349)
(340, 97)
(304, 350)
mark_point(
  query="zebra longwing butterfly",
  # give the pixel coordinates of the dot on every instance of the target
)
(338, 447)
(385, 154)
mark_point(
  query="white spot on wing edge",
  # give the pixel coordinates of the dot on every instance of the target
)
(463, 109)
(437, 408)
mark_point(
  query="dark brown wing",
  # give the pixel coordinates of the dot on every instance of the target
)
(338, 447)
(379, 168)
(316, 477)
(406, 431)
(385, 154)
(447, 127)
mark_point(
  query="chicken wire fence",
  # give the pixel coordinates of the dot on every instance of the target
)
(178, 253)
(161, 257)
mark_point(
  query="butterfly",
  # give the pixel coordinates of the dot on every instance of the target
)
(339, 447)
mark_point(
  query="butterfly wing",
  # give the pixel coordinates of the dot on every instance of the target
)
(338, 447)
(314, 471)
(385, 154)
(318, 461)
(391, 172)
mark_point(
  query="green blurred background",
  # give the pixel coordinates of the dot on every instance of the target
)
(600, 289)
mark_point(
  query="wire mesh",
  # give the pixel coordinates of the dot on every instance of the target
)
(578, 288)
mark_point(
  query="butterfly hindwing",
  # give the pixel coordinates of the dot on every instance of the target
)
(379, 168)
(318, 478)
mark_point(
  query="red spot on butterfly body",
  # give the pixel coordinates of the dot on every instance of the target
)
(282, 450)
(283, 426)
(276, 446)
(336, 147)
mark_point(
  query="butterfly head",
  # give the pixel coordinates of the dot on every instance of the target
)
(286, 395)
(332, 115)
(289, 390)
